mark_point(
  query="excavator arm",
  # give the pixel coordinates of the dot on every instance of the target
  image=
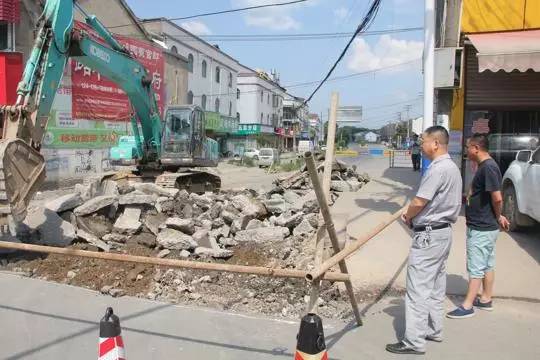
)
(22, 167)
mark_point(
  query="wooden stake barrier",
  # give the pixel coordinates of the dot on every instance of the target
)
(325, 211)
(352, 247)
(241, 269)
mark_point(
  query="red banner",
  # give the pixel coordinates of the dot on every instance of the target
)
(95, 97)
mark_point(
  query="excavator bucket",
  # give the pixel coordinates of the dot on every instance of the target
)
(22, 171)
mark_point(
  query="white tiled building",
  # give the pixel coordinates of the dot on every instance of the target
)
(212, 78)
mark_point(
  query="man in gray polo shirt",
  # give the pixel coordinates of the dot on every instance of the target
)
(429, 215)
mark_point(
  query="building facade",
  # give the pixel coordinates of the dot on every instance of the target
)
(295, 121)
(260, 111)
(499, 89)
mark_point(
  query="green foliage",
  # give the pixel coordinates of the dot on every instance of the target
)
(248, 162)
(293, 165)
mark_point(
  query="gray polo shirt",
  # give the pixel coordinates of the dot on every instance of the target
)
(441, 186)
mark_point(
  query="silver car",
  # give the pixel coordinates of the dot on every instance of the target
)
(268, 156)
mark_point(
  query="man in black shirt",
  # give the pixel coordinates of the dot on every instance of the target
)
(483, 214)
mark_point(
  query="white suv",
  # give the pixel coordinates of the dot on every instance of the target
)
(521, 189)
(252, 154)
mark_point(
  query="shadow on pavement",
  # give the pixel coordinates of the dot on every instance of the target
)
(404, 176)
(94, 326)
(529, 240)
(397, 311)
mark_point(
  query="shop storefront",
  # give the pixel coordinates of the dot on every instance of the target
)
(502, 92)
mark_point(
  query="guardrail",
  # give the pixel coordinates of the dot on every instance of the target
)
(400, 159)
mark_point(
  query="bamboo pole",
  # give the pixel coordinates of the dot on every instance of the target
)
(330, 145)
(325, 211)
(351, 248)
(327, 176)
(241, 269)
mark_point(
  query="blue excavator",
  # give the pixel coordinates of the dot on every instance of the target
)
(173, 150)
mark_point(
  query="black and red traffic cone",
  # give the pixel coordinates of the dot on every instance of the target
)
(111, 345)
(311, 345)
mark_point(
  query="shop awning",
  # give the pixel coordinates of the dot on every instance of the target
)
(508, 51)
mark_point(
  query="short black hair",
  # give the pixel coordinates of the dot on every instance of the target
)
(481, 140)
(439, 131)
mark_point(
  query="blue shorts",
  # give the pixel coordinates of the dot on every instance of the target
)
(480, 252)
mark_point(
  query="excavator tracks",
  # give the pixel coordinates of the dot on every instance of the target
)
(197, 180)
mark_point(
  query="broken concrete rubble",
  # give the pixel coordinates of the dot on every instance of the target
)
(137, 198)
(262, 235)
(51, 228)
(175, 240)
(94, 204)
(153, 189)
(93, 240)
(184, 225)
(65, 202)
(304, 228)
(128, 222)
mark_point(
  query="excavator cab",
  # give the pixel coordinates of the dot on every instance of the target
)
(184, 142)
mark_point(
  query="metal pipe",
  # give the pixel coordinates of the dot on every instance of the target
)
(241, 269)
(351, 248)
(325, 211)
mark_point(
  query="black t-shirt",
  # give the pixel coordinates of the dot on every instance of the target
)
(479, 211)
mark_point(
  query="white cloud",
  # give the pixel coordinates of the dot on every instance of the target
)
(388, 51)
(341, 13)
(273, 18)
(196, 27)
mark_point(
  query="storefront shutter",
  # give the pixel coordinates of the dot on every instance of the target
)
(500, 90)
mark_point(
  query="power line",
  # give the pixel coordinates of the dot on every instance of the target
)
(366, 22)
(288, 37)
(225, 11)
(309, 83)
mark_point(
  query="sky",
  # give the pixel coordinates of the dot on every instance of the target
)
(389, 65)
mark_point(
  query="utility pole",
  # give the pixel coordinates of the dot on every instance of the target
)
(429, 62)
(408, 109)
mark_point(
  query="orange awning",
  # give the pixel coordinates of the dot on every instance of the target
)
(508, 51)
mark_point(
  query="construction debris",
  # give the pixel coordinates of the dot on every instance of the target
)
(241, 226)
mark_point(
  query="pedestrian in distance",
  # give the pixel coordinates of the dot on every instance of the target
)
(430, 216)
(415, 153)
(484, 219)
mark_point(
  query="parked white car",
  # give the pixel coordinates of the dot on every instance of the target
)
(268, 156)
(252, 154)
(521, 189)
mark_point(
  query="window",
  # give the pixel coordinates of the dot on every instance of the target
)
(268, 98)
(262, 96)
(262, 116)
(190, 62)
(267, 119)
(203, 102)
(190, 97)
(230, 79)
(217, 105)
(6, 36)
(230, 108)
(203, 69)
(217, 74)
(238, 116)
(238, 93)
(174, 50)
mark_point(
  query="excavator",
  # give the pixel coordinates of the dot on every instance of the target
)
(173, 150)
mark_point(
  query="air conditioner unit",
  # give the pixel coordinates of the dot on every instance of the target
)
(448, 67)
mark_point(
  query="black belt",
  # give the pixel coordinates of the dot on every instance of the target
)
(433, 227)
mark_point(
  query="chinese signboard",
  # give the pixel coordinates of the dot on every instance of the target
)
(220, 123)
(98, 98)
(89, 111)
(248, 129)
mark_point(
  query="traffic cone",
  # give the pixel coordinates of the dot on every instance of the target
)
(111, 345)
(311, 345)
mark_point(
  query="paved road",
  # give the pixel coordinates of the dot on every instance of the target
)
(48, 321)
(382, 261)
